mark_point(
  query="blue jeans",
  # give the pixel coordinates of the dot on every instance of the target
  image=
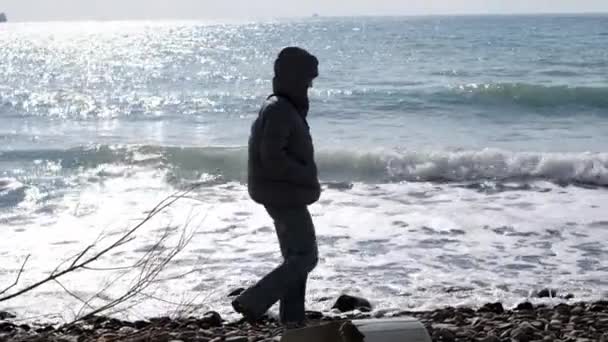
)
(286, 283)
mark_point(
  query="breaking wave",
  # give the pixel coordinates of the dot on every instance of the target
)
(230, 163)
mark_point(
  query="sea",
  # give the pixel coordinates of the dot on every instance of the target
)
(464, 160)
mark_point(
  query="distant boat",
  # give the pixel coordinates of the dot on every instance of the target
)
(315, 15)
(3, 18)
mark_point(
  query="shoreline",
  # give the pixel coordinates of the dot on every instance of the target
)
(576, 322)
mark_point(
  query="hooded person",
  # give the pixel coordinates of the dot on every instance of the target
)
(282, 176)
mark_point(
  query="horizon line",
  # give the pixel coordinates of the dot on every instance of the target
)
(311, 16)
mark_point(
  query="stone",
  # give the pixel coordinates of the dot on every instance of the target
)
(563, 309)
(577, 310)
(45, 329)
(495, 308)
(200, 339)
(490, 338)
(521, 335)
(546, 293)
(380, 313)
(347, 303)
(112, 324)
(236, 292)
(555, 324)
(6, 315)
(212, 319)
(444, 335)
(140, 324)
(602, 323)
(467, 312)
(160, 321)
(126, 330)
(538, 325)
(527, 328)
(525, 306)
(7, 327)
(161, 337)
(108, 338)
(505, 326)
(441, 315)
(187, 335)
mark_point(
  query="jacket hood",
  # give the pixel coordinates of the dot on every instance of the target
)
(294, 69)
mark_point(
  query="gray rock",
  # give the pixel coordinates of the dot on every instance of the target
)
(597, 308)
(211, 319)
(577, 310)
(546, 293)
(602, 323)
(187, 335)
(538, 325)
(505, 326)
(6, 315)
(444, 335)
(140, 324)
(126, 330)
(563, 309)
(346, 303)
(495, 308)
(490, 338)
(520, 335)
(237, 339)
(7, 327)
(525, 332)
(555, 324)
(526, 306)
(527, 327)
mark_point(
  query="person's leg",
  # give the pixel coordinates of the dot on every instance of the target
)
(287, 282)
(293, 302)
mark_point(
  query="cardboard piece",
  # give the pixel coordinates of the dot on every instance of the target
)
(403, 329)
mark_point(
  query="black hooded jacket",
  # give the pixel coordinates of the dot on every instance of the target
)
(281, 167)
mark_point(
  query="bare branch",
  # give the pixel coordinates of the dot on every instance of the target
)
(72, 293)
(78, 264)
(84, 251)
(18, 276)
(156, 259)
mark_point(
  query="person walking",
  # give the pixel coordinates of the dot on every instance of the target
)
(282, 176)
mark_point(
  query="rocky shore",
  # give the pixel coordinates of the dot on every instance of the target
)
(578, 322)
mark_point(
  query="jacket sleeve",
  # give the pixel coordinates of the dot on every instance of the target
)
(273, 148)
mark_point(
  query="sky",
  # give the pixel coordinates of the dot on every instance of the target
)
(43, 10)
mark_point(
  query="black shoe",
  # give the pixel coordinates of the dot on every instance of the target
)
(248, 315)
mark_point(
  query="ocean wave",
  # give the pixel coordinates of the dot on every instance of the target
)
(12, 192)
(527, 95)
(531, 95)
(230, 163)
